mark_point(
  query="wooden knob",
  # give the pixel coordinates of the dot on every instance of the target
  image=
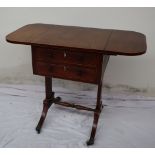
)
(65, 54)
(65, 68)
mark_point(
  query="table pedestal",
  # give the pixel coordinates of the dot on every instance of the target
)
(50, 99)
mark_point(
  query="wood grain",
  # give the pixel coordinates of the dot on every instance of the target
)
(106, 41)
(126, 43)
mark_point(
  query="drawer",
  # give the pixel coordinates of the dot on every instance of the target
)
(74, 73)
(45, 69)
(73, 57)
(82, 58)
(48, 55)
(81, 74)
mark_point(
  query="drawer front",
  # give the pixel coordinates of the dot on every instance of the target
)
(73, 57)
(81, 74)
(66, 72)
(82, 58)
(48, 55)
(46, 69)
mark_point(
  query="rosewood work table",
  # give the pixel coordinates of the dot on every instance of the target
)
(75, 53)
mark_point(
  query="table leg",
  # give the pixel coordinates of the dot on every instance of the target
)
(46, 103)
(97, 112)
(99, 105)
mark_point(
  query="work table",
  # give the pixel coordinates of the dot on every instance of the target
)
(77, 54)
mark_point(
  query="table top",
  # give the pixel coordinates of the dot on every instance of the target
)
(106, 41)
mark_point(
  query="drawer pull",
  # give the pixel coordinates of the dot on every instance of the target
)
(65, 54)
(65, 68)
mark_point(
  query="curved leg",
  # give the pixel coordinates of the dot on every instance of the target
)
(46, 106)
(93, 132)
(94, 127)
(99, 105)
(96, 115)
(46, 103)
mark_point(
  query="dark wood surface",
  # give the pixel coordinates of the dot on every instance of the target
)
(106, 41)
(76, 66)
(126, 43)
(69, 57)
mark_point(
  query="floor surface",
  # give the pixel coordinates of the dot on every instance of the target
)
(127, 119)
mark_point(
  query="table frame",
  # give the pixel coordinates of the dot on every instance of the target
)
(50, 99)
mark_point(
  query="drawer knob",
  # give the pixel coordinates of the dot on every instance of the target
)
(65, 54)
(65, 68)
